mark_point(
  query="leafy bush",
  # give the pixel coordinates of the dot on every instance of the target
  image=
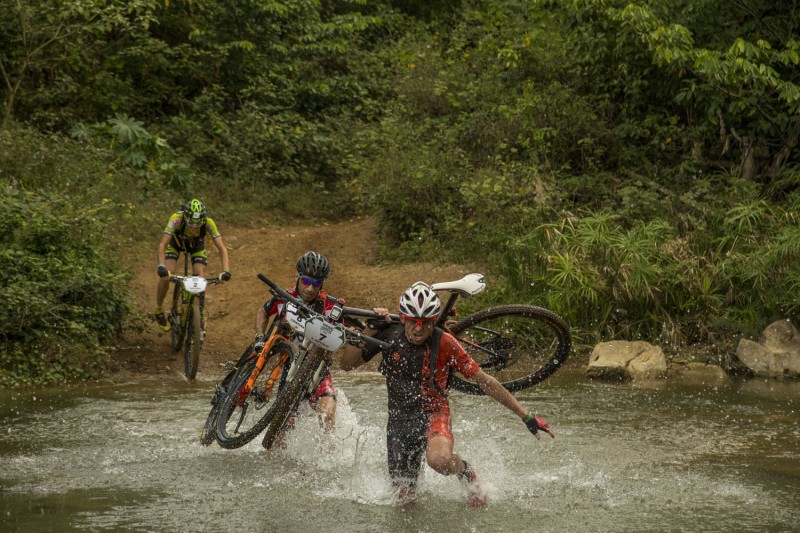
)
(63, 297)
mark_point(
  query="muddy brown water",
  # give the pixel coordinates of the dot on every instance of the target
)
(125, 456)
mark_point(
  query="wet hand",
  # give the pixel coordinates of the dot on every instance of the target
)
(536, 424)
(382, 312)
(258, 344)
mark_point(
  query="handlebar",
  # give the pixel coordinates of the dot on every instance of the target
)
(357, 338)
(366, 313)
(282, 294)
(175, 278)
(352, 337)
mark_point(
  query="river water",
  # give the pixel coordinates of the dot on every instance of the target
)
(667, 457)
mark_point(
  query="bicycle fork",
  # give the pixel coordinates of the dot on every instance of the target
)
(260, 362)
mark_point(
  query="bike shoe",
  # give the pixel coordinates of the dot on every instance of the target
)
(475, 495)
(161, 318)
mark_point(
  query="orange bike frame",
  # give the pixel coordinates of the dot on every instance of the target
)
(262, 359)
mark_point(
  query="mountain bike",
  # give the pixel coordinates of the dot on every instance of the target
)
(520, 345)
(187, 319)
(266, 387)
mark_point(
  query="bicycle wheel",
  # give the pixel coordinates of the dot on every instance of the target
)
(244, 414)
(520, 345)
(176, 334)
(193, 341)
(209, 433)
(290, 398)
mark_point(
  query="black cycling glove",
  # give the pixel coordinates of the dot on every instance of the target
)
(534, 424)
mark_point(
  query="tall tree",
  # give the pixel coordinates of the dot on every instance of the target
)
(48, 46)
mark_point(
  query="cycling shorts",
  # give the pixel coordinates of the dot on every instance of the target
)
(407, 440)
(325, 388)
(195, 247)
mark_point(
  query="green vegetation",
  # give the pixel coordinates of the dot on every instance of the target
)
(630, 164)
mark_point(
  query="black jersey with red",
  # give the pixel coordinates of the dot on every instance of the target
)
(406, 367)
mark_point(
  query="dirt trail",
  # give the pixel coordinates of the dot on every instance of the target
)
(356, 276)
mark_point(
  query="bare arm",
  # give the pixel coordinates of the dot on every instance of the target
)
(493, 388)
(261, 321)
(223, 252)
(352, 357)
(162, 248)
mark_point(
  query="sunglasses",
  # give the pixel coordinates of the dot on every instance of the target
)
(310, 281)
(419, 322)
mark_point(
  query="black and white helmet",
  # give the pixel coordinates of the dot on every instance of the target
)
(420, 301)
(314, 265)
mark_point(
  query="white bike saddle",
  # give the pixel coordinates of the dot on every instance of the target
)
(469, 285)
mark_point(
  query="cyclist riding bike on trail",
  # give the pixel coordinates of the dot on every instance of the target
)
(312, 270)
(417, 368)
(186, 232)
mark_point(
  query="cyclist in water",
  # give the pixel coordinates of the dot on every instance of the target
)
(186, 232)
(416, 369)
(312, 270)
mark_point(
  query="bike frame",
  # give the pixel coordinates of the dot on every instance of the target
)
(261, 361)
(468, 286)
(188, 304)
(182, 300)
(307, 350)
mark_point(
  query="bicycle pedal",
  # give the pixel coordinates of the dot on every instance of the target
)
(228, 365)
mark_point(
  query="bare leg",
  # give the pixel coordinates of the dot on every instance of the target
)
(199, 269)
(441, 458)
(163, 283)
(326, 411)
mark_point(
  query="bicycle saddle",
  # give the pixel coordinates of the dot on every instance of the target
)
(469, 285)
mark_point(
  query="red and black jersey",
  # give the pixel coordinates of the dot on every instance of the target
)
(322, 303)
(407, 368)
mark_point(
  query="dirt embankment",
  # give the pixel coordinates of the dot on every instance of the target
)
(357, 276)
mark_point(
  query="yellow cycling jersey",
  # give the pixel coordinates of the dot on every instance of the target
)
(189, 231)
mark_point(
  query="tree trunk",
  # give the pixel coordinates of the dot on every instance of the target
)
(754, 154)
(786, 150)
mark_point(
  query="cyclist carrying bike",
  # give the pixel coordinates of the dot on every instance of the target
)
(312, 270)
(416, 371)
(186, 232)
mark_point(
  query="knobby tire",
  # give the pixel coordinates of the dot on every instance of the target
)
(520, 345)
(194, 340)
(290, 398)
(176, 333)
(239, 422)
(209, 433)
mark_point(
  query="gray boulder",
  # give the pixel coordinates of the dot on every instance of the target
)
(700, 373)
(776, 354)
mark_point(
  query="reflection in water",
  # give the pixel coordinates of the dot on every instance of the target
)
(626, 458)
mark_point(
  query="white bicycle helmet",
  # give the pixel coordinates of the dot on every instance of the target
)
(420, 301)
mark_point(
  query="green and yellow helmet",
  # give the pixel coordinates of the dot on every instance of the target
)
(194, 212)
